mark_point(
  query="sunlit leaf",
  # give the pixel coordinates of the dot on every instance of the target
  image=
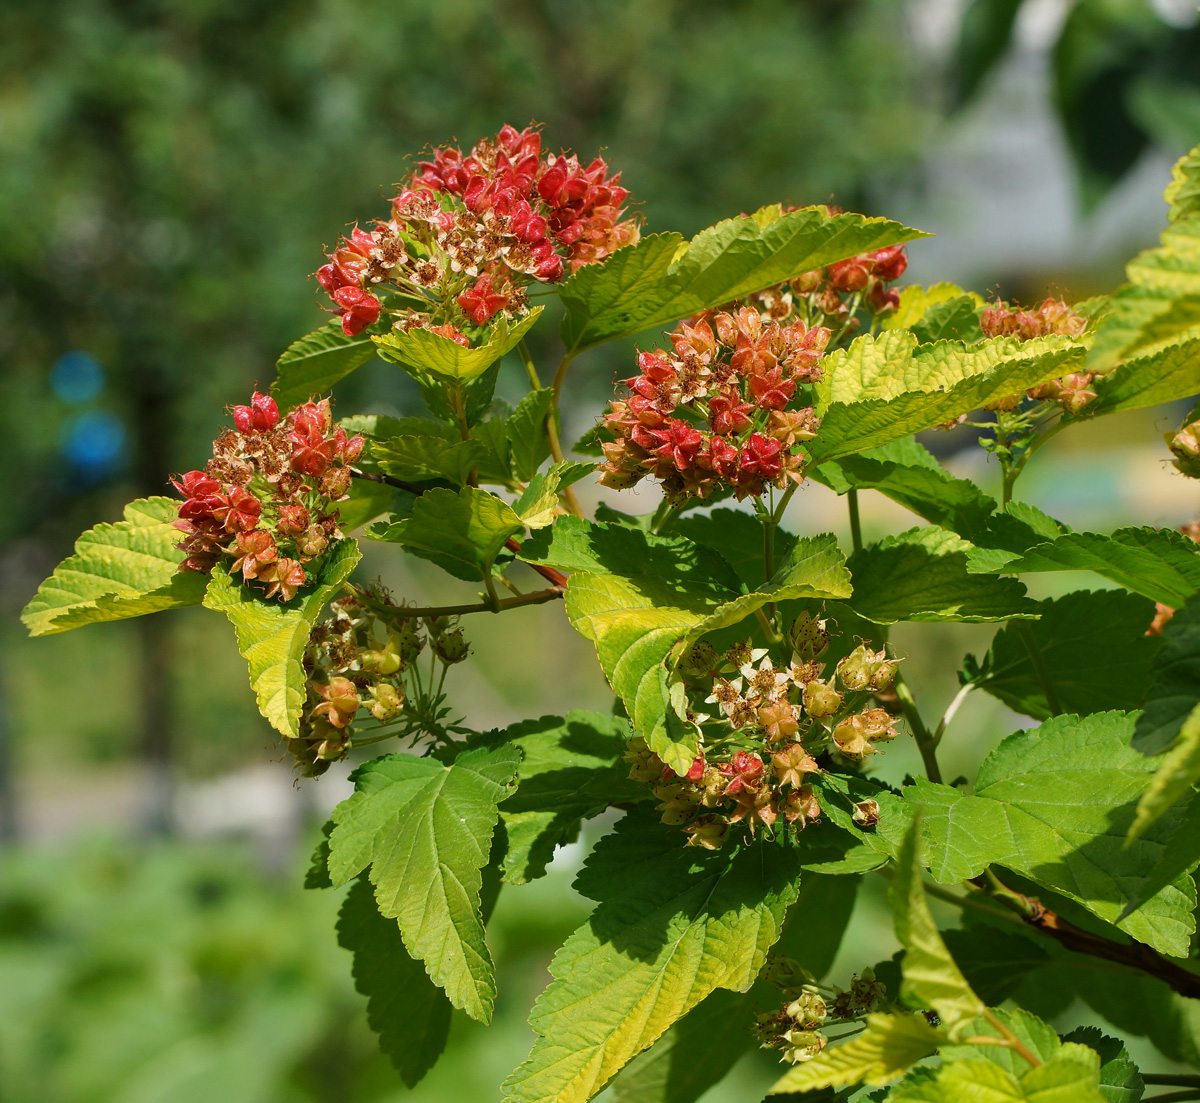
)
(272, 635)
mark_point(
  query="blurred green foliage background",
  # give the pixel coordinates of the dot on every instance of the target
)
(170, 171)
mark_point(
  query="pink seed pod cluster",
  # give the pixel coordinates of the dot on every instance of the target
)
(266, 500)
(1052, 317)
(470, 232)
(712, 412)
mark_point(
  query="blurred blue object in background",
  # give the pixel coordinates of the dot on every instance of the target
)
(76, 377)
(95, 445)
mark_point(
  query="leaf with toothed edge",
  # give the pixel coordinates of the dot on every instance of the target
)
(424, 832)
(272, 635)
(120, 570)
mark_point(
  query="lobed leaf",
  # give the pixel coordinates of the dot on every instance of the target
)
(886, 387)
(737, 537)
(118, 570)
(931, 976)
(424, 830)
(922, 575)
(1183, 192)
(1055, 804)
(814, 569)
(916, 301)
(890, 364)
(907, 472)
(538, 503)
(461, 531)
(672, 926)
(408, 1012)
(1175, 690)
(890, 1045)
(1177, 773)
(414, 458)
(272, 635)
(1072, 1077)
(662, 277)
(1091, 648)
(530, 447)
(431, 354)
(313, 364)
(1160, 563)
(571, 768)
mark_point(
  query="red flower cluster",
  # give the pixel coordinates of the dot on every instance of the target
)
(832, 296)
(1052, 317)
(731, 376)
(473, 230)
(266, 498)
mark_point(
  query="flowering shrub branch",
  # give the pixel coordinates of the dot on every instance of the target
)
(757, 690)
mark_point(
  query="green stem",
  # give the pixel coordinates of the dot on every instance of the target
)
(1014, 1043)
(855, 524)
(1171, 1079)
(663, 515)
(568, 493)
(1012, 471)
(538, 597)
(768, 548)
(924, 740)
(1039, 666)
(777, 514)
(1174, 1097)
(769, 630)
(530, 367)
(951, 709)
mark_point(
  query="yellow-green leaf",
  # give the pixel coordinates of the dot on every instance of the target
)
(432, 354)
(890, 1046)
(118, 570)
(930, 973)
(272, 635)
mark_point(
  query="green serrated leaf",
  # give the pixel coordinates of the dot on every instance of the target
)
(994, 962)
(672, 925)
(1175, 690)
(886, 387)
(431, 354)
(461, 531)
(1009, 534)
(118, 570)
(956, 320)
(1160, 563)
(890, 1045)
(663, 278)
(1091, 648)
(738, 538)
(313, 364)
(931, 976)
(527, 433)
(891, 364)
(1120, 1079)
(1072, 1077)
(907, 472)
(1183, 192)
(368, 500)
(417, 458)
(815, 569)
(424, 830)
(571, 768)
(916, 301)
(272, 635)
(408, 1012)
(922, 575)
(1177, 773)
(538, 503)
(1055, 803)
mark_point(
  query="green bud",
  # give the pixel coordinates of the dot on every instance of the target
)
(788, 975)
(808, 636)
(802, 1045)
(386, 701)
(700, 660)
(1185, 447)
(678, 802)
(821, 699)
(450, 647)
(384, 661)
(644, 764)
(407, 640)
(807, 1010)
